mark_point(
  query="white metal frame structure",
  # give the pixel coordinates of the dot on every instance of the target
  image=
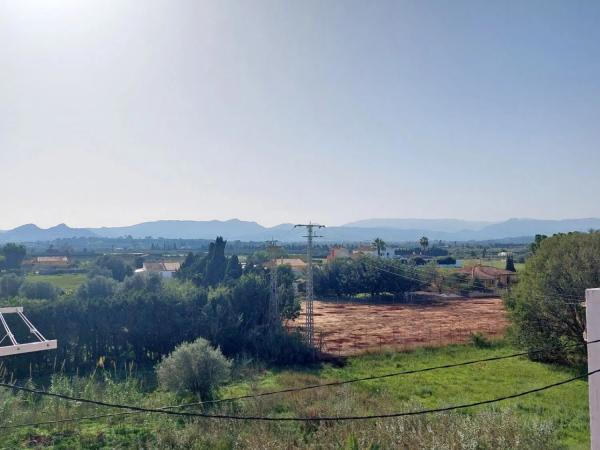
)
(15, 348)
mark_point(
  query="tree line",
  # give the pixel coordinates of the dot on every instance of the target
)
(143, 317)
(366, 275)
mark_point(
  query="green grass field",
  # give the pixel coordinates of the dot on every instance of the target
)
(557, 418)
(66, 282)
(566, 406)
(498, 263)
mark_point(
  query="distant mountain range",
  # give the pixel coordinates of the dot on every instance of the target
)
(447, 225)
(390, 230)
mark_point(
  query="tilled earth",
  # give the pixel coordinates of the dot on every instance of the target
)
(345, 328)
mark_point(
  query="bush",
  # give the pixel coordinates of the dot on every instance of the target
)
(545, 304)
(417, 261)
(38, 290)
(97, 287)
(194, 367)
(446, 260)
(117, 267)
(480, 341)
(9, 285)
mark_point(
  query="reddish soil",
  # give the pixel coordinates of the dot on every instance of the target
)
(346, 328)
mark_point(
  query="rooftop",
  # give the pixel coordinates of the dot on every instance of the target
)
(161, 266)
(296, 263)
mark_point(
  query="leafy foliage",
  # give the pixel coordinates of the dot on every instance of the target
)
(424, 243)
(97, 287)
(13, 255)
(379, 245)
(531, 422)
(446, 260)
(544, 306)
(510, 263)
(194, 367)
(210, 269)
(289, 303)
(349, 277)
(216, 263)
(535, 245)
(144, 317)
(234, 268)
(38, 290)
(9, 285)
(115, 266)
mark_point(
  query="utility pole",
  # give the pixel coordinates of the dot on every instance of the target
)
(273, 252)
(310, 295)
(592, 312)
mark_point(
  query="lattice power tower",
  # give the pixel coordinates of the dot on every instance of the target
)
(310, 295)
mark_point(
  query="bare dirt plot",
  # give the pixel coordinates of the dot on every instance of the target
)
(346, 328)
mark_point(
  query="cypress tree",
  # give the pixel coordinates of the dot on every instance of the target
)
(217, 263)
(510, 264)
(234, 268)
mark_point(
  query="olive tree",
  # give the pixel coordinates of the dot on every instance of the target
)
(194, 367)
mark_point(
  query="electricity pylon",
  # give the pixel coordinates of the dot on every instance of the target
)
(310, 295)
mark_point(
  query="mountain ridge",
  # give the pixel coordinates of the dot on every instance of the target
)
(235, 229)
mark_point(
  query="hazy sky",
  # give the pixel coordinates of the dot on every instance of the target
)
(117, 112)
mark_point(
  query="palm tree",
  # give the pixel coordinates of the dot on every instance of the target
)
(424, 241)
(379, 244)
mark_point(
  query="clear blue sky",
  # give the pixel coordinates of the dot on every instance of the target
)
(117, 112)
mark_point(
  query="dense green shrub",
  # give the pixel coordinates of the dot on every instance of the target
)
(446, 260)
(115, 265)
(480, 341)
(365, 275)
(38, 290)
(417, 261)
(143, 318)
(97, 287)
(212, 268)
(9, 285)
(194, 367)
(12, 255)
(545, 305)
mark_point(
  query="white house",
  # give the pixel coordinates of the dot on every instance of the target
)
(165, 269)
(389, 252)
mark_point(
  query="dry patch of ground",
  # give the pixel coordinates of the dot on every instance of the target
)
(347, 328)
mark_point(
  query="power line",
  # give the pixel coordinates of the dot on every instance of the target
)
(321, 418)
(137, 410)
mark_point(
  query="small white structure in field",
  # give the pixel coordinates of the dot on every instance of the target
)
(165, 269)
(15, 348)
(388, 252)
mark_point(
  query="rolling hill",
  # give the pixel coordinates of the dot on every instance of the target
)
(391, 230)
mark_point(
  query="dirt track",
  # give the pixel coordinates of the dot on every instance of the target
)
(350, 328)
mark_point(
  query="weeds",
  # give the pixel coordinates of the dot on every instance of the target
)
(532, 423)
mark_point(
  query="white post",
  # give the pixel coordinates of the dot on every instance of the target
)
(592, 302)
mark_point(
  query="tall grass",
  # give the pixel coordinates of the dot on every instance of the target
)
(551, 420)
